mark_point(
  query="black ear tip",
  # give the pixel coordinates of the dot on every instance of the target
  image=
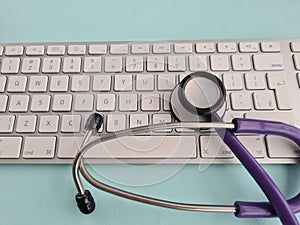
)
(94, 122)
(85, 203)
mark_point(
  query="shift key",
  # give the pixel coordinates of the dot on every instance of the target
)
(268, 62)
(7, 123)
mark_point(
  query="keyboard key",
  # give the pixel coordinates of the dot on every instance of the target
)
(84, 103)
(254, 144)
(241, 101)
(117, 49)
(213, 147)
(116, 122)
(197, 63)
(51, 65)
(59, 83)
(144, 82)
(80, 83)
(296, 58)
(161, 118)
(106, 102)
(35, 50)
(10, 65)
(26, 124)
(62, 103)
(68, 146)
(39, 147)
(56, 50)
(295, 46)
(183, 48)
(2, 83)
(30, 65)
(102, 83)
(140, 49)
(219, 62)
(241, 62)
(176, 63)
(70, 123)
(166, 82)
(161, 48)
(226, 47)
(113, 64)
(38, 84)
(264, 100)
(155, 64)
(268, 62)
(123, 82)
(40, 103)
(3, 102)
(255, 81)
(19, 103)
(48, 124)
(14, 50)
(6, 123)
(279, 147)
(233, 81)
(128, 102)
(134, 64)
(17, 84)
(76, 49)
(150, 102)
(92, 65)
(97, 49)
(1, 50)
(13, 152)
(248, 47)
(205, 48)
(72, 65)
(270, 47)
(136, 120)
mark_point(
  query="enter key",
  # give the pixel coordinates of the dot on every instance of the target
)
(278, 82)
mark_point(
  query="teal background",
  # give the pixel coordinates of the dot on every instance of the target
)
(44, 194)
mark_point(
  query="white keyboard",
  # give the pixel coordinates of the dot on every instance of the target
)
(47, 90)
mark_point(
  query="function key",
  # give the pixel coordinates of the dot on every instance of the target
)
(226, 47)
(140, 49)
(270, 47)
(248, 47)
(35, 50)
(119, 49)
(295, 46)
(76, 49)
(97, 49)
(161, 48)
(1, 50)
(205, 47)
(183, 48)
(14, 50)
(56, 50)
(296, 58)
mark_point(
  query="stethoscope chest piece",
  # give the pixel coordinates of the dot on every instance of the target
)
(198, 96)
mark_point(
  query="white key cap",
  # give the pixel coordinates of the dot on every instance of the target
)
(119, 49)
(241, 62)
(115, 122)
(233, 81)
(134, 64)
(40, 103)
(230, 115)
(70, 123)
(140, 49)
(248, 47)
(34, 50)
(264, 100)
(150, 102)
(123, 82)
(298, 76)
(30, 65)
(17, 83)
(56, 50)
(113, 64)
(270, 46)
(166, 82)
(1, 50)
(280, 147)
(219, 62)
(226, 47)
(102, 83)
(128, 102)
(155, 64)
(106, 102)
(97, 49)
(76, 49)
(254, 144)
(39, 147)
(272, 116)
(84, 103)
(51, 65)
(14, 50)
(18, 103)
(3, 102)
(92, 65)
(26, 124)
(255, 81)
(161, 48)
(241, 101)
(296, 58)
(59, 83)
(161, 119)
(136, 120)
(38, 84)
(80, 83)
(278, 82)
(48, 124)
(183, 48)
(7, 123)
(198, 63)
(166, 101)
(268, 62)
(144, 82)
(295, 46)
(214, 147)
(62, 103)
(10, 65)
(68, 146)
(176, 63)
(72, 65)
(13, 152)
(2, 83)
(205, 47)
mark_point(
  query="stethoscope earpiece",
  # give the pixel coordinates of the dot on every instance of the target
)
(85, 202)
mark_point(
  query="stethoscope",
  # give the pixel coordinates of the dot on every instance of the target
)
(198, 101)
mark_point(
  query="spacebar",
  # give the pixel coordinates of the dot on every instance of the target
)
(146, 147)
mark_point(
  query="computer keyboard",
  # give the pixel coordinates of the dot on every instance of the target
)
(47, 91)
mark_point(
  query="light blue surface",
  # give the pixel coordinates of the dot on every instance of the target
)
(44, 194)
